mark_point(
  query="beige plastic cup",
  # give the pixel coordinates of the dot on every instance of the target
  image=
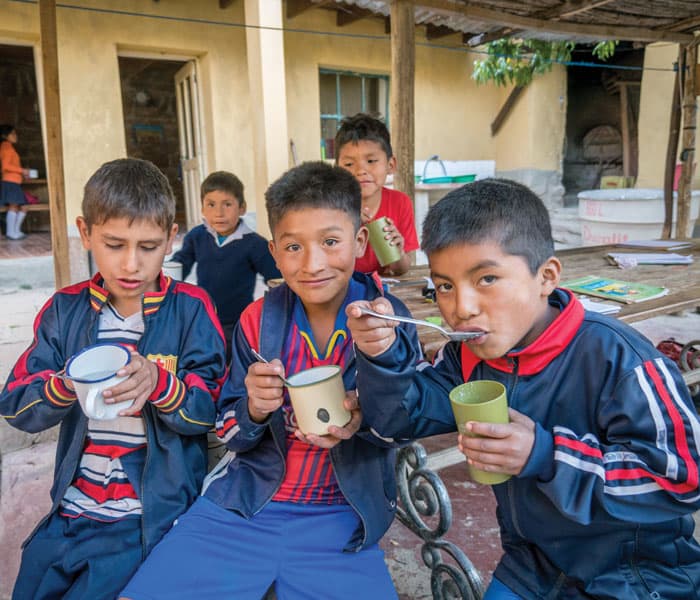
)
(482, 400)
(385, 251)
(317, 396)
(93, 370)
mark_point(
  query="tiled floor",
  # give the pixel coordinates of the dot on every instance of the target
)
(35, 244)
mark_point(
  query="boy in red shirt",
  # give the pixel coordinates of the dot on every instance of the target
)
(363, 147)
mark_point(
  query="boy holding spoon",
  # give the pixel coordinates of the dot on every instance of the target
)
(603, 439)
(302, 513)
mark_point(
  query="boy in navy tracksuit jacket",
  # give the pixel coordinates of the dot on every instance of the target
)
(302, 512)
(229, 254)
(119, 484)
(603, 438)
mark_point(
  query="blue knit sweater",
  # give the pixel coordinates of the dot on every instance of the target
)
(227, 271)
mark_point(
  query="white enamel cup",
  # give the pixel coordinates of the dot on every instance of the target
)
(317, 396)
(93, 370)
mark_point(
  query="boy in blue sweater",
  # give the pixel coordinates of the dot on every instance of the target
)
(229, 255)
(301, 512)
(603, 440)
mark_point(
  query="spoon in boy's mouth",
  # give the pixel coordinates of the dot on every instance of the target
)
(455, 336)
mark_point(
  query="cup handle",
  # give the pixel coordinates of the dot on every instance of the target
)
(90, 402)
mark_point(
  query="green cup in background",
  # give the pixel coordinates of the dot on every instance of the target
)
(385, 251)
(485, 401)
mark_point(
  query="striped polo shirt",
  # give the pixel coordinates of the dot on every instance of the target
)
(309, 476)
(115, 449)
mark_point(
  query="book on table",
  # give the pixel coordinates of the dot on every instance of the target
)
(627, 292)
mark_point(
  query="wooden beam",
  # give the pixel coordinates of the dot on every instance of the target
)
(506, 108)
(690, 23)
(225, 3)
(672, 148)
(577, 30)
(564, 10)
(54, 142)
(296, 7)
(402, 105)
(687, 144)
(347, 15)
(434, 32)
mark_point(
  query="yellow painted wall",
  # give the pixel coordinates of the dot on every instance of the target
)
(91, 112)
(533, 135)
(453, 114)
(655, 115)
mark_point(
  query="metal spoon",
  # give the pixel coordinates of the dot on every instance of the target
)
(261, 358)
(455, 336)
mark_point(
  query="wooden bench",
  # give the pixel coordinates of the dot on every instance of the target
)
(41, 206)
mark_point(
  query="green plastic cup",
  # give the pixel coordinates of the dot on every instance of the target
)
(385, 251)
(484, 401)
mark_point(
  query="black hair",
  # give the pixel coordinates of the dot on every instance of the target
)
(6, 129)
(498, 210)
(313, 185)
(362, 127)
(128, 188)
(223, 181)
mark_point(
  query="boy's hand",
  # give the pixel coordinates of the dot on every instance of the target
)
(393, 234)
(141, 379)
(372, 335)
(265, 389)
(503, 448)
(337, 434)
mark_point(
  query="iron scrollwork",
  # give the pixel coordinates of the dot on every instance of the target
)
(422, 496)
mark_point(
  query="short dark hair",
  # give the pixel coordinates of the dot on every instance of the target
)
(6, 129)
(128, 188)
(313, 185)
(362, 127)
(498, 210)
(223, 181)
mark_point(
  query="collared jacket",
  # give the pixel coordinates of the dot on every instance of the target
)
(603, 507)
(183, 337)
(363, 465)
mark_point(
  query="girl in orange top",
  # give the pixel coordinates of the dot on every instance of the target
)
(11, 193)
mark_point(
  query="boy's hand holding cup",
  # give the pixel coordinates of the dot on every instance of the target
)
(385, 240)
(496, 440)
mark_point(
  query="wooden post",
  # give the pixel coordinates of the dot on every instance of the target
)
(54, 142)
(625, 126)
(672, 147)
(402, 105)
(687, 144)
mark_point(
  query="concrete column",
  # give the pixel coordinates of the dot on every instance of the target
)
(268, 97)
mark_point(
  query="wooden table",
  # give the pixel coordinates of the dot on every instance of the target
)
(683, 282)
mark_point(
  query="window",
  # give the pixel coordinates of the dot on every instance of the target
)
(345, 94)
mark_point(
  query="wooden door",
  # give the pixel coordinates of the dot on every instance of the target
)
(191, 140)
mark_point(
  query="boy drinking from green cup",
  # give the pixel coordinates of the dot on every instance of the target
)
(603, 440)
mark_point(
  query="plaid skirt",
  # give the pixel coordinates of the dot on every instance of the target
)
(11, 193)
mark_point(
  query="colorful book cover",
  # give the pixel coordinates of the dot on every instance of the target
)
(627, 292)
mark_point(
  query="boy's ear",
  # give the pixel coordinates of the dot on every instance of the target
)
(241, 208)
(84, 232)
(550, 274)
(171, 238)
(392, 164)
(361, 241)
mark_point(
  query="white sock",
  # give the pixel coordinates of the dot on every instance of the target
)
(18, 223)
(11, 219)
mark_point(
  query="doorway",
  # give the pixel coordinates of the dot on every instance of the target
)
(601, 120)
(19, 106)
(151, 124)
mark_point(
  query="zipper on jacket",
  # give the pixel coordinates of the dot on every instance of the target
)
(513, 360)
(284, 472)
(359, 514)
(143, 487)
